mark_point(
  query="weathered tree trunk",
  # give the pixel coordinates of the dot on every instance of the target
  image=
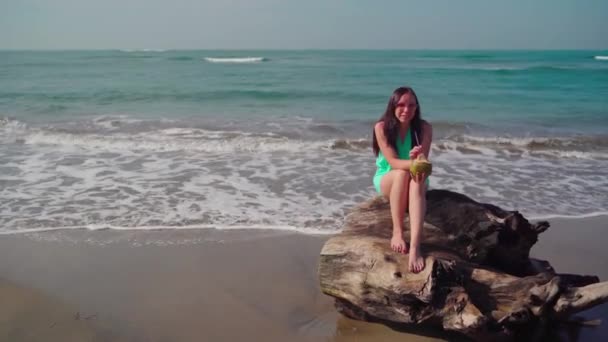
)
(478, 279)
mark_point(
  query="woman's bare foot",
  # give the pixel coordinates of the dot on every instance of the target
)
(416, 261)
(398, 244)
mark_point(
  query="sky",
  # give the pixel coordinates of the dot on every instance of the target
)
(303, 24)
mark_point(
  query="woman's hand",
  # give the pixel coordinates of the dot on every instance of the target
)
(415, 152)
(419, 177)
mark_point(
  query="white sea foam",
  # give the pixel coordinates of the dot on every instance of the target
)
(212, 142)
(547, 146)
(601, 58)
(565, 216)
(574, 154)
(92, 227)
(124, 134)
(515, 141)
(11, 130)
(114, 122)
(235, 59)
(244, 180)
(97, 182)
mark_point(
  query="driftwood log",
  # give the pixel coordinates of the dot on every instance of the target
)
(479, 280)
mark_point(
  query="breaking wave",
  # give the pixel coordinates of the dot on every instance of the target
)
(235, 59)
(133, 135)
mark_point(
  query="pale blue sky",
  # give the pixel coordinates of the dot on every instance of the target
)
(290, 24)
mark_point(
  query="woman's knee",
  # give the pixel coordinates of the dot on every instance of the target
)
(401, 175)
(403, 182)
(396, 180)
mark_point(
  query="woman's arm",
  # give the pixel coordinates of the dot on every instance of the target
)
(427, 137)
(389, 153)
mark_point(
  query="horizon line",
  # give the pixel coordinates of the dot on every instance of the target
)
(296, 49)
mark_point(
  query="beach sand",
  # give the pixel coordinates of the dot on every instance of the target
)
(210, 285)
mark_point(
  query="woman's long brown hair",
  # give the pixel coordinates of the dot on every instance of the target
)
(391, 124)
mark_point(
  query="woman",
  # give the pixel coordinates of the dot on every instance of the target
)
(399, 137)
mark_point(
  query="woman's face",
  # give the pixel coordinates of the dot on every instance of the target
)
(405, 108)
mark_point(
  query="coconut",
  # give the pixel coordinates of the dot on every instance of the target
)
(421, 165)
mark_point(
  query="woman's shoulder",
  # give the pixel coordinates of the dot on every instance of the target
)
(379, 126)
(426, 125)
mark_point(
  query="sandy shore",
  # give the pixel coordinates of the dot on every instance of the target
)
(214, 286)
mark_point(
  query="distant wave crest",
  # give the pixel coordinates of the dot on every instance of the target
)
(116, 134)
(577, 142)
(601, 58)
(533, 68)
(351, 144)
(235, 59)
(142, 50)
(162, 140)
(577, 147)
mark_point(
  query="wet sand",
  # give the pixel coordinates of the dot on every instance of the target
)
(213, 285)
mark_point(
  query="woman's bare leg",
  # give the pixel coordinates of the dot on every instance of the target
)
(394, 185)
(417, 210)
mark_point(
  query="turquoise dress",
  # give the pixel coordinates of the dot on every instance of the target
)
(383, 167)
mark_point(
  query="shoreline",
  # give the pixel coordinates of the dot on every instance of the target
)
(596, 214)
(193, 285)
(600, 216)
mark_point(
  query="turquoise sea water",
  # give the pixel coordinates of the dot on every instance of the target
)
(228, 139)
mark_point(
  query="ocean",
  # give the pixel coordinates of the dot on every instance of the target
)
(162, 139)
